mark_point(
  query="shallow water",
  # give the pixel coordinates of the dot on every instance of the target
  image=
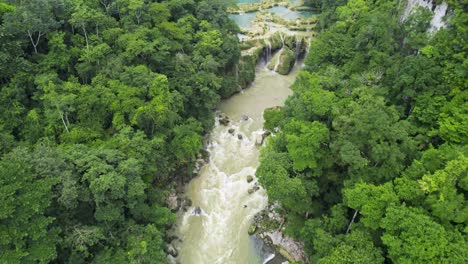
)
(287, 14)
(243, 20)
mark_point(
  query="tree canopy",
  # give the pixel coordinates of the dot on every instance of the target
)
(369, 158)
(103, 108)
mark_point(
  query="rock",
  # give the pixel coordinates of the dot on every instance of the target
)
(231, 131)
(224, 120)
(239, 136)
(253, 189)
(244, 118)
(173, 202)
(184, 204)
(205, 155)
(172, 259)
(171, 250)
(197, 211)
(245, 206)
(252, 229)
(259, 140)
(250, 178)
(286, 246)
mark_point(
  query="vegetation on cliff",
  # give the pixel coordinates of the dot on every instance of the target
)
(370, 159)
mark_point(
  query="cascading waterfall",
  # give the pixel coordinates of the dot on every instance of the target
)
(282, 38)
(298, 47)
(278, 60)
(309, 41)
(267, 51)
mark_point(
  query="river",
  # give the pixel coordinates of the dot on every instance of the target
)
(218, 234)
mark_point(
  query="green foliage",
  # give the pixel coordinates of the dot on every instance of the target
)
(356, 248)
(371, 201)
(109, 101)
(376, 133)
(412, 237)
(26, 182)
(304, 143)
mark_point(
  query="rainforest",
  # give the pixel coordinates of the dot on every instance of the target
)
(243, 132)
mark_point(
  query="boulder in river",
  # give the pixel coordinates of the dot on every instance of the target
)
(185, 203)
(244, 118)
(259, 140)
(239, 136)
(250, 178)
(224, 120)
(171, 250)
(231, 131)
(253, 189)
(172, 259)
(252, 229)
(197, 211)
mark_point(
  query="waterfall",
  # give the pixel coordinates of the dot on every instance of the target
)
(269, 257)
(278, 61)
(267, 51)
(282, 38)
(298, 47)
(309, 41)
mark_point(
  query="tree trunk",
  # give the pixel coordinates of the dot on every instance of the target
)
(34, 44)
(86, 36)
(138, 15)
(352, 221)
(63, 121)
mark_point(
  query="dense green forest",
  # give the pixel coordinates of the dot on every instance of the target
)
(103, 105)
(370, 159)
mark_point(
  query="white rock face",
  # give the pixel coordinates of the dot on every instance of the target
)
(412, 4)
(437, 21)
(294, 248)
